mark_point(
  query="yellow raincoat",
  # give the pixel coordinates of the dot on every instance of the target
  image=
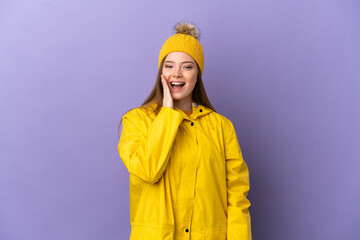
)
(188, 179)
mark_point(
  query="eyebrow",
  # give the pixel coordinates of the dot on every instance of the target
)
(181, 62)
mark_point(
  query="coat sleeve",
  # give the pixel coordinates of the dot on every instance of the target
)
(238, 185)
(145, 151)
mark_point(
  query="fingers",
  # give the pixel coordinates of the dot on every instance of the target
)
(167, 99)
(165, 85)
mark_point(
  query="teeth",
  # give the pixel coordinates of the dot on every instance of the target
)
(177, 84)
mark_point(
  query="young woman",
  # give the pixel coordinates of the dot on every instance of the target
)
(188, 179)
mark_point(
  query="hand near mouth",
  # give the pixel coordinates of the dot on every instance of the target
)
(167, 100)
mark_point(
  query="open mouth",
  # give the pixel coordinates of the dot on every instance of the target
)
(177, 84)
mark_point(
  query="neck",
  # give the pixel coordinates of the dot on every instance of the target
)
(184, 105)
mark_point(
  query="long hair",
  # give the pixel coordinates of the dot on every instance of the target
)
(156, 95)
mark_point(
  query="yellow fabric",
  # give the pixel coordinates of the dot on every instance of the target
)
(183, 43)
(184, 175)
(188, 112)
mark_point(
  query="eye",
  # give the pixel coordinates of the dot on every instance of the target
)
(188, 67)
(168, 66)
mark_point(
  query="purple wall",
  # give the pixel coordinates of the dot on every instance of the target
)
(287, 73)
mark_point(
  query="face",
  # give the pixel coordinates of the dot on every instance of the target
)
(181, 72)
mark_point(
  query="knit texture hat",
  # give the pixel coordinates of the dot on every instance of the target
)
(185, 40)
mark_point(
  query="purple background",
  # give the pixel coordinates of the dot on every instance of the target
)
(287, 73)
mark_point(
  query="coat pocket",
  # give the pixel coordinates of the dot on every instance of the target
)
(144, 232)
(215, 234)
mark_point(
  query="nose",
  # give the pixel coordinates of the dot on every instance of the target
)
(177, 72)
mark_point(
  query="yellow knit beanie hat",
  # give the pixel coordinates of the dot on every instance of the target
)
(185, 40)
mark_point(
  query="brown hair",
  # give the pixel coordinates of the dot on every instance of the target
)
(156, 95)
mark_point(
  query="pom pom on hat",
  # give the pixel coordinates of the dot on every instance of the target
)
(188, 29)
(185, 40)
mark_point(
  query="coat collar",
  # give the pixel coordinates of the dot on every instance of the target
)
(198, 110)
